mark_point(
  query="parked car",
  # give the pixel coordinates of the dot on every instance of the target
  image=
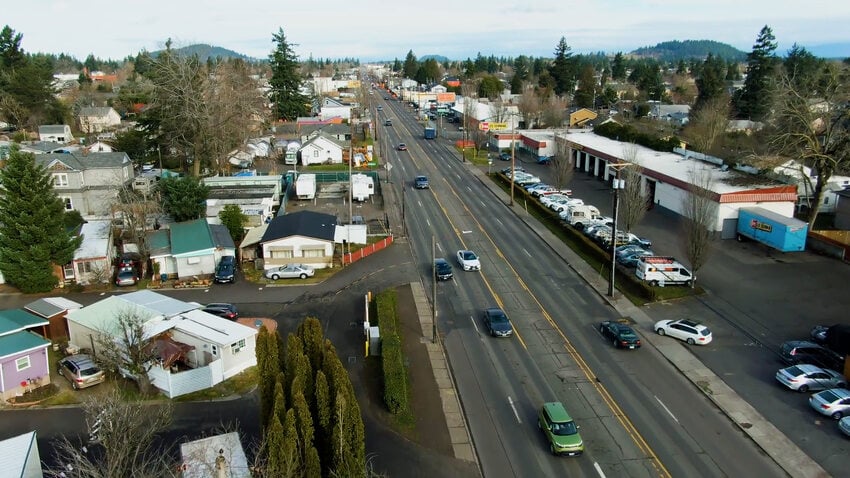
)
(684, 329)
(630, 249)
(421, 182)
(805, 377)
(560, 430)
(507, 171)
(225, 272)
(497, 322)
(631, 260)
(505, 156)
(621, 335)
(443, 270)
(802, 351)
(126, 276)
(468, 260)
(402, 147)
(130, 259)
(290, 271)
(844, 425)
(641, 241)
(834, 402)
(222, 309)
(81, 371)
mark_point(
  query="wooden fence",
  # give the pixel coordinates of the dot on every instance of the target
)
(367, 250)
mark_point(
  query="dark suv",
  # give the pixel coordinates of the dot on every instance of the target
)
(226, 270)
(801, 351)
(443, 269)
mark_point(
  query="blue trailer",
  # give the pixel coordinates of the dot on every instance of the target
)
(430, 133)
(780, 232)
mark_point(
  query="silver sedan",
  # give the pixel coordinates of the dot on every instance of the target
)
(803, 378)
(290, 271)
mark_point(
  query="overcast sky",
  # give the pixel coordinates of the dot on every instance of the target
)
(382, 29)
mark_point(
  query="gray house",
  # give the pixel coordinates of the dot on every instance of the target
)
(61, 133)
(88, 183)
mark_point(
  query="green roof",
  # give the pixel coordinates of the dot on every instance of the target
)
(191, 237)
(19, 342)
(18, 319)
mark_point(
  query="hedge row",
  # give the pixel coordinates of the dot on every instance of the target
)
(628, 134)
(396, 395)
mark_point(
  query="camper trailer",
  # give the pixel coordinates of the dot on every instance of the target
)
(305, 186)
(362, 187)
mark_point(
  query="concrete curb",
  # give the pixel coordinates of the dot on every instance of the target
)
(773, 442)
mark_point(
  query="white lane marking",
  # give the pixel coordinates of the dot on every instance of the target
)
(466, 232)
(474, 324)
(482, 204)
(514, 408)
(666, 409)
(598, 469)
(500, 222)
(526, 252)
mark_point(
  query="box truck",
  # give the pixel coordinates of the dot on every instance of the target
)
(773, 229)
(305, 186)
(430, 133)
(660, 270)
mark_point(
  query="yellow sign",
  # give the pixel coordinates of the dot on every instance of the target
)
(499, 126)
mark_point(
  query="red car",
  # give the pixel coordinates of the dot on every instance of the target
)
(402, 147)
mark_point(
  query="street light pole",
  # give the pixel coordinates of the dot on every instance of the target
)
(434, 291)
(617, 184)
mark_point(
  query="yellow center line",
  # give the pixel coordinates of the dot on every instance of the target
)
(620, 415)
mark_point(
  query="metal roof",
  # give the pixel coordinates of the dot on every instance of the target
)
(50, 306)
(20, 342)
(15, 452)
(15, 320)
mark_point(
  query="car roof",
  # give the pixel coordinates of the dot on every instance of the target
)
(690, 322)
(557, 412)
(806, 368)
(440, 260)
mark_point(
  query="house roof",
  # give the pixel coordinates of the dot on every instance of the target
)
(80, 162)
(199, 456)
(254, 235)
(96, 240)
(53, 129)
(145, 304)
(331, 129)
(301, 223)
(20, 342)
(191, 237)
(212, 328)
(221, 237)
(322, 136)
(16, 451)
(98, 111)
(159, 243)
(16, 320)
(50, 306)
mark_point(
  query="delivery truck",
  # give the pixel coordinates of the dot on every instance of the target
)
(430, 133)
(783, 233)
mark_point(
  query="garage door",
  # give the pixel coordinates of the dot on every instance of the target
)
(730, 229)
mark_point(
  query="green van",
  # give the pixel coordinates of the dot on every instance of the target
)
(560, 430)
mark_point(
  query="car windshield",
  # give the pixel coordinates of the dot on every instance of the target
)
(627, 334)
(89, 370)
(564, 429)
(498, 317)
(705, 332)
(829, 396)
(794, 371)
(469, 256)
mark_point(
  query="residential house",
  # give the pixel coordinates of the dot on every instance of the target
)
(303, 237)
(339, 132)
(794, 172)
(744, 126)
(248, 248)
(53, 309)
(216, 456)
(23, 353)
(194, 350)
(19, 456)
(99, 147)
(256, 196)
(43, 147)
(88, 183)
(92, 263)
(676, 114)
(579, 118)
(190, 249)
(60, 133)
(95, 119)
(331, 108)
(321, 149)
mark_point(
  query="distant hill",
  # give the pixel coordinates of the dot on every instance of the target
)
(683, 50)
(204, 51)
(439, 58)
(830, 50)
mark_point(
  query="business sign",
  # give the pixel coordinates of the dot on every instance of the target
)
(484, 126)
(499, 126)
(761, 226)
(445, 98)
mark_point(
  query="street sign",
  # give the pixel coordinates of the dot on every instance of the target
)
(499, 126)
(484, 126)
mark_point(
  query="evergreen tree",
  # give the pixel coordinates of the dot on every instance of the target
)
(521, 67)
(803, 69)
(711, 82)
(618, 67)
(490, 87)
(184, 198)
(268, 367)
(276, 446)
(234, 220)
(411, 65)
(312, 339)
(753, 101)
(516, 85)
(732, 73)
(563, 69)
(11, 53)
(396, 65)
(586, 92)
(33, 237)
(323, 404)
(285, 82)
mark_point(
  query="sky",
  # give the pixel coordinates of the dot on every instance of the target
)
(384, 30)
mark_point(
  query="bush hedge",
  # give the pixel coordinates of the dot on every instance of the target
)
(396, 390)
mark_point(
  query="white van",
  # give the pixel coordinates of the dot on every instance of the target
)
(660, 270)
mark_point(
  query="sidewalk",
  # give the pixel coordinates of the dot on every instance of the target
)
(775, 444)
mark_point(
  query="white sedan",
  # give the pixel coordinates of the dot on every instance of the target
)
(684, 329)
(290, 271)
(468, 260)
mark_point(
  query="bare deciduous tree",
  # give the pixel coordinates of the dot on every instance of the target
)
(126, 348)
(709, 123)
(139, 212)
(121, 441)
(699, 216)
(553, 112)
(633, 198)
(529, 108)
(562, 164)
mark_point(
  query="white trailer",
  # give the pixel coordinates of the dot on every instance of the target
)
(305, 186)
(362, 187)
(580, 215)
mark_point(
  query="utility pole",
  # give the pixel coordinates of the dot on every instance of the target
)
(617, 184)
(513, 159)
(434, 291)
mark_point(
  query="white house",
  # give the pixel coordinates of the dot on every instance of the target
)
(99, 147)
(195, 350)
(321, 149)
(331, 108)
(93, 259)
(59, 133)
(803, 176)
(95, 119)
(303, 237)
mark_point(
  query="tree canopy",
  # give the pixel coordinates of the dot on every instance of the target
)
(184, 198)
(285, 83)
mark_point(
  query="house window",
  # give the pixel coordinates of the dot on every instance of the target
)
(86, 267)
(287, 254)
(69, 206)
(60, 180)
(22, 363)
(313, 253)
(215, 350)
(193, 260)
(238, 346)
(315, 153)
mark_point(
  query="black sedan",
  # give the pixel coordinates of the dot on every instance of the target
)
(621, 335)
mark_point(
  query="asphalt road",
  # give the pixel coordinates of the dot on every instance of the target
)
(638, 416)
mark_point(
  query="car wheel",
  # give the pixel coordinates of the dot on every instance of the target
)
(303, 275)
(615, 343)
(653, 283)
(803, 388)
(691, 341)
(552, 448)
(660, 331)
(601, 330)
(687, 283)
(77, 387)
(275, 277)
(837, 415)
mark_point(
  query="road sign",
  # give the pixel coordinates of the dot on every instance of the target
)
(484, 126)
(499, 126)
